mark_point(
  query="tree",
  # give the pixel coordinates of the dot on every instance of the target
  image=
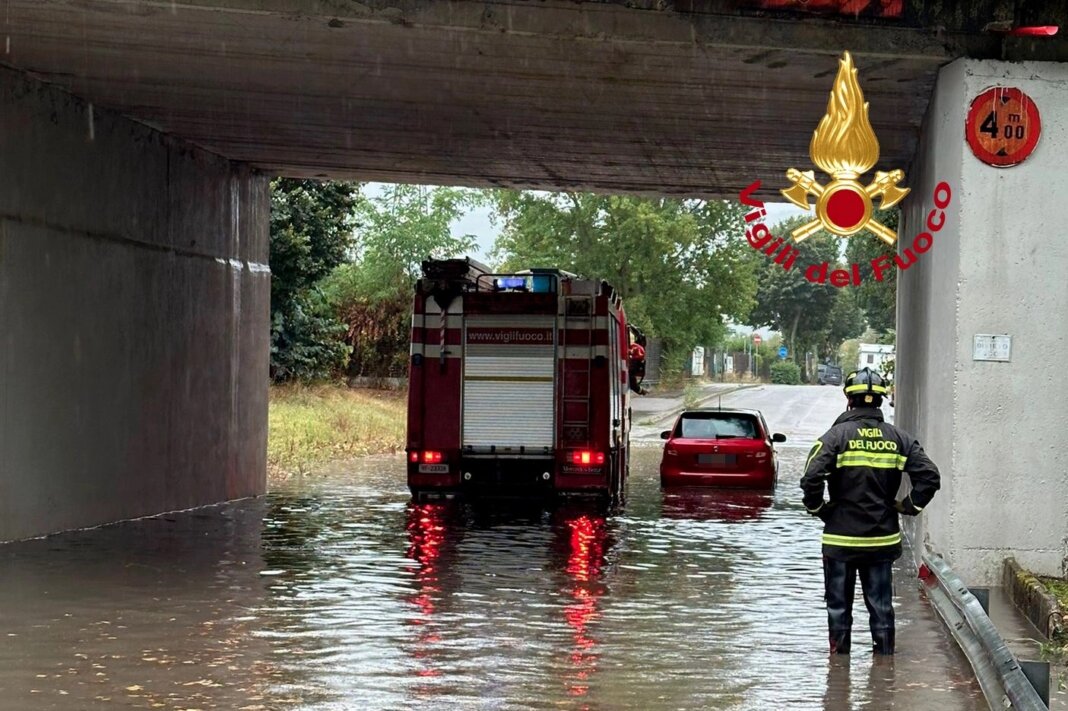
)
(788, 302)
(407, 224)
(372, 294)
(679, 265)
(311, 233)
(845, 321)
(878, 299)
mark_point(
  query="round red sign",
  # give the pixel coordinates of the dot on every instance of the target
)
(1003, 126)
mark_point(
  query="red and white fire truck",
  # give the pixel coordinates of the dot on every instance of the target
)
(517, 380)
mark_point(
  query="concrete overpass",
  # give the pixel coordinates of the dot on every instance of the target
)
(135, 137)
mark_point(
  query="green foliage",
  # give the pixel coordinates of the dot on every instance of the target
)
(311, 233)
(786, 372)
(377, 318)
(372, 295)
(691, 396)
(405, 225)
(845, 321)
(679, 265)
(878, 299)
(849, 354)
(307, 341)
(789, 303)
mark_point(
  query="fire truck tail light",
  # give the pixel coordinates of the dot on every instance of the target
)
(432, 457)
(585, 457)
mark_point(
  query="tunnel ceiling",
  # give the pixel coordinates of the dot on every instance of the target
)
(695, 98)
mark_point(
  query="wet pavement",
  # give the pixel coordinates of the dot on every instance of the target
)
(335, 592)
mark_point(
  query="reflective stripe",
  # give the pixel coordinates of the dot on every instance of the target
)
(815, 450)
(875, 460)
(864, 387)
(832, 539)
(815, 510)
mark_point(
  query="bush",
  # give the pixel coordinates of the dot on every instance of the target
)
(307, 341)
(786, 373)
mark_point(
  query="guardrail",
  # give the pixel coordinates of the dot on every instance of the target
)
(1001, 676)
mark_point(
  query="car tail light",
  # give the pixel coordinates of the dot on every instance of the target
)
(432, 457)
(413, 457)
(585, 457)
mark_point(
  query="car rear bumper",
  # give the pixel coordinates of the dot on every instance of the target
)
(746, 479)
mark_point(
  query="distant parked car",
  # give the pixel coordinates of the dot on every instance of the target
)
(720, 448)
(829, 374)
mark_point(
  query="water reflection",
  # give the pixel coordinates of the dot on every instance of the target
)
(427, 535)
(587, 541)
(338, 593)
(715, 504)
(877, 688)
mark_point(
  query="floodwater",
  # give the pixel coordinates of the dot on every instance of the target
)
(338, 593)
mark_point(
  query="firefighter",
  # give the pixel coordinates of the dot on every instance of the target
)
(861, 459)
(637, 368)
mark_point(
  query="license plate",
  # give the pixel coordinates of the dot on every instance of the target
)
(433, 468)
(717, 459)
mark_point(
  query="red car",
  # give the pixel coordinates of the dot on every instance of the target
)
(722, 447)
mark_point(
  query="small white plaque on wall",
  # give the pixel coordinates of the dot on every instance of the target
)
(990, 346)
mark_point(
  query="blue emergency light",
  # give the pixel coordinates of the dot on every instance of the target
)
(511, 283)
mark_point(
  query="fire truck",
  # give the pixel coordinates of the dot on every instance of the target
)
(517, 381)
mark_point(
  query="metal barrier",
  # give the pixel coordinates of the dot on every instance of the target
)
(1000, 674)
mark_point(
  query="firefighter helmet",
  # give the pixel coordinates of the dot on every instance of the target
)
(865, 382)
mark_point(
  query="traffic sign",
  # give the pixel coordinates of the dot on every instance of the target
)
(1003, 126)
(783, 352)
(756, 338)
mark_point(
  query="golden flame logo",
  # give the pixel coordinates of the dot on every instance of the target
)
(844, 146)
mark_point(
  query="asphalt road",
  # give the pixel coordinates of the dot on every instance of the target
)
(801, 412)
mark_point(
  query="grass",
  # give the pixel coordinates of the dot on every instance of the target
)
(1056, 649)
(312, 425)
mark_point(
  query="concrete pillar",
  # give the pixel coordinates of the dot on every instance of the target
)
(998, 266)
(134, 316)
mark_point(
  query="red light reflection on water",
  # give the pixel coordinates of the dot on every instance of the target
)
(585, 560)
(426, 536)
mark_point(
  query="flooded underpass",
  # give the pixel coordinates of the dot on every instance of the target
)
(337, 593)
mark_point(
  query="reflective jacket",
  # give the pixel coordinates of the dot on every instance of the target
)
(861, 459)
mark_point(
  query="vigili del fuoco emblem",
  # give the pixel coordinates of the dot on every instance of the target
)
(845, 147)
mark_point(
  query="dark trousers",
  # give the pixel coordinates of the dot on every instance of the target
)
(876, 580)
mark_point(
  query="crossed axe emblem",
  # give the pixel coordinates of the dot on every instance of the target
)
(884, 186)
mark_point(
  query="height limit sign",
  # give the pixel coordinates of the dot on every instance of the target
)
(1003, 126)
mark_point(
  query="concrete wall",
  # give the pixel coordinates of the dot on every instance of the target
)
(134, 307)
(998, 266)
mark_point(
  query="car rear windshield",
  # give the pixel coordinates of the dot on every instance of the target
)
(717, 425)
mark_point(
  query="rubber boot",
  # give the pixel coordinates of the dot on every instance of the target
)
(878, 585)
(883, 641)
(839, 580)
(841, 641)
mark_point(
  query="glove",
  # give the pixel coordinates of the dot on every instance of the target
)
(824, 509)
(906, 507)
